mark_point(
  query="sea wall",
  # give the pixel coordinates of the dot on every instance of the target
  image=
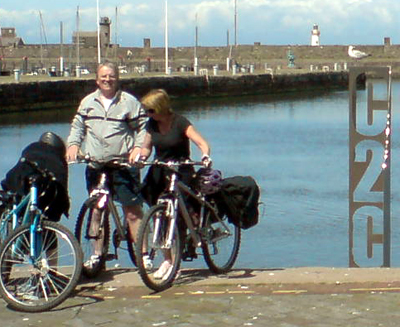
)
(153, 58)
(21, 97)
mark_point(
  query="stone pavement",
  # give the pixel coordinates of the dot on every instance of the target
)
(245, 297)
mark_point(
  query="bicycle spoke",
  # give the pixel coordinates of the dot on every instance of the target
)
(221, 242)
(38, 284)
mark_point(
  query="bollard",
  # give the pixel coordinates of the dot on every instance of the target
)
(215, 70)
(196, 70)
(78, 71)
(335, 66)
(17, 75)
(345, 66)
(311, 68)
(234, 70)
(228, 64)
(251, 69)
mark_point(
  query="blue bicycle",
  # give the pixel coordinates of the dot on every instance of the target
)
(40, 260)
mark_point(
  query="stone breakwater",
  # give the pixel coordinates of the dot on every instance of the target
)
(43, 95)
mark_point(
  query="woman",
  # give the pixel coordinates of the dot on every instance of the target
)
(170, 135)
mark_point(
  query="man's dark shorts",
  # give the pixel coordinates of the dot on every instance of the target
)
(124, 183)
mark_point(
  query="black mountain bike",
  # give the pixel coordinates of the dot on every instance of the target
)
(161, 238)
(93, 233)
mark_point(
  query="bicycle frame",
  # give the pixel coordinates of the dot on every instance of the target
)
(105, 201)
(27, 203)
(176, 201)
(29, 212)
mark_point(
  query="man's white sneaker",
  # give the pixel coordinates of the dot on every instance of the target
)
(94, 260)
(165, 268)
(147, 262)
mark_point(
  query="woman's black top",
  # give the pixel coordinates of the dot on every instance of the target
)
(174, 145)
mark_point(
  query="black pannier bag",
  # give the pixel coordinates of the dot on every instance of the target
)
(238, 199)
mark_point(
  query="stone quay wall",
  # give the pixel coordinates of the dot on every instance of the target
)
(22, 97)
(153, 58)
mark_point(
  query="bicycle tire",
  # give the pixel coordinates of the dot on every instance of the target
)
(130, 246)
(154, 249)
(220, 252)
(81, 233)
(42, 284)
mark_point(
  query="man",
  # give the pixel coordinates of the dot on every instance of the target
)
(111, 123)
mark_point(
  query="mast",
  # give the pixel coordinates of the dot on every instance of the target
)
(196, 39)
(98, 34)
(77, 37)
(235, 23)
(116, 33)
(166, 37)
(61, 49)
(42, 35)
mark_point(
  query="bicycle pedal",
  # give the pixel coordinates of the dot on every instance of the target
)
(189, 257)
(111, 257)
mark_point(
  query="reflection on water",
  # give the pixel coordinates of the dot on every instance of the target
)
(295, 146)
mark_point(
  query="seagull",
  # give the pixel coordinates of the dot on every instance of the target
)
(356, 54)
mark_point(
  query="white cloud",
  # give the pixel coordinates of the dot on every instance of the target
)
(267, 21)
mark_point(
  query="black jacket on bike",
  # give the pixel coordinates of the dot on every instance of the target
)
(53, 196)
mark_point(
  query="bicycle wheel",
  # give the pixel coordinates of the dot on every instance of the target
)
(35, 284)
(152, 238)
(87, 238)
(220, 246)
(5, 225)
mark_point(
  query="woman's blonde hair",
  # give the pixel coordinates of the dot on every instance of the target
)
(158, 100)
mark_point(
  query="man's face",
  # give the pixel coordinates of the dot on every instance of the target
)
(107, 81)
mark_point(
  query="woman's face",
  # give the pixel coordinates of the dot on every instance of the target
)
(151, 113)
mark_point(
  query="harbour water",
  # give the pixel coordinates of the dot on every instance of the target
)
(295, 146)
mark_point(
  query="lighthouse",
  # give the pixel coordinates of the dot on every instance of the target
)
(315, 36)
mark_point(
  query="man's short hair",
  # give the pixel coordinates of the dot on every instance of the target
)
(110, 65)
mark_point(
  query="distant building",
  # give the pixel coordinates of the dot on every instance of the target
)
(9, 38)
(146, 43)
(89, 39)
(315, 33)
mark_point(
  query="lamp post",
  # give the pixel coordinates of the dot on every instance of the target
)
(166, 38)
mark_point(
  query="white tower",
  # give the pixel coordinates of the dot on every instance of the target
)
(315, 33)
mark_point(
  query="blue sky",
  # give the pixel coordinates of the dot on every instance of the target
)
(271, 22)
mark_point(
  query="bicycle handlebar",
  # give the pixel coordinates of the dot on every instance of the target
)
(172, 164)
(44, 172)
(116, 163)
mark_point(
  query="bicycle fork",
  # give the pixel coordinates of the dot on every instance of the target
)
(35, 238)
(170, 214)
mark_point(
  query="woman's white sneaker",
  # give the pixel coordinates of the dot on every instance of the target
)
(164, 269)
